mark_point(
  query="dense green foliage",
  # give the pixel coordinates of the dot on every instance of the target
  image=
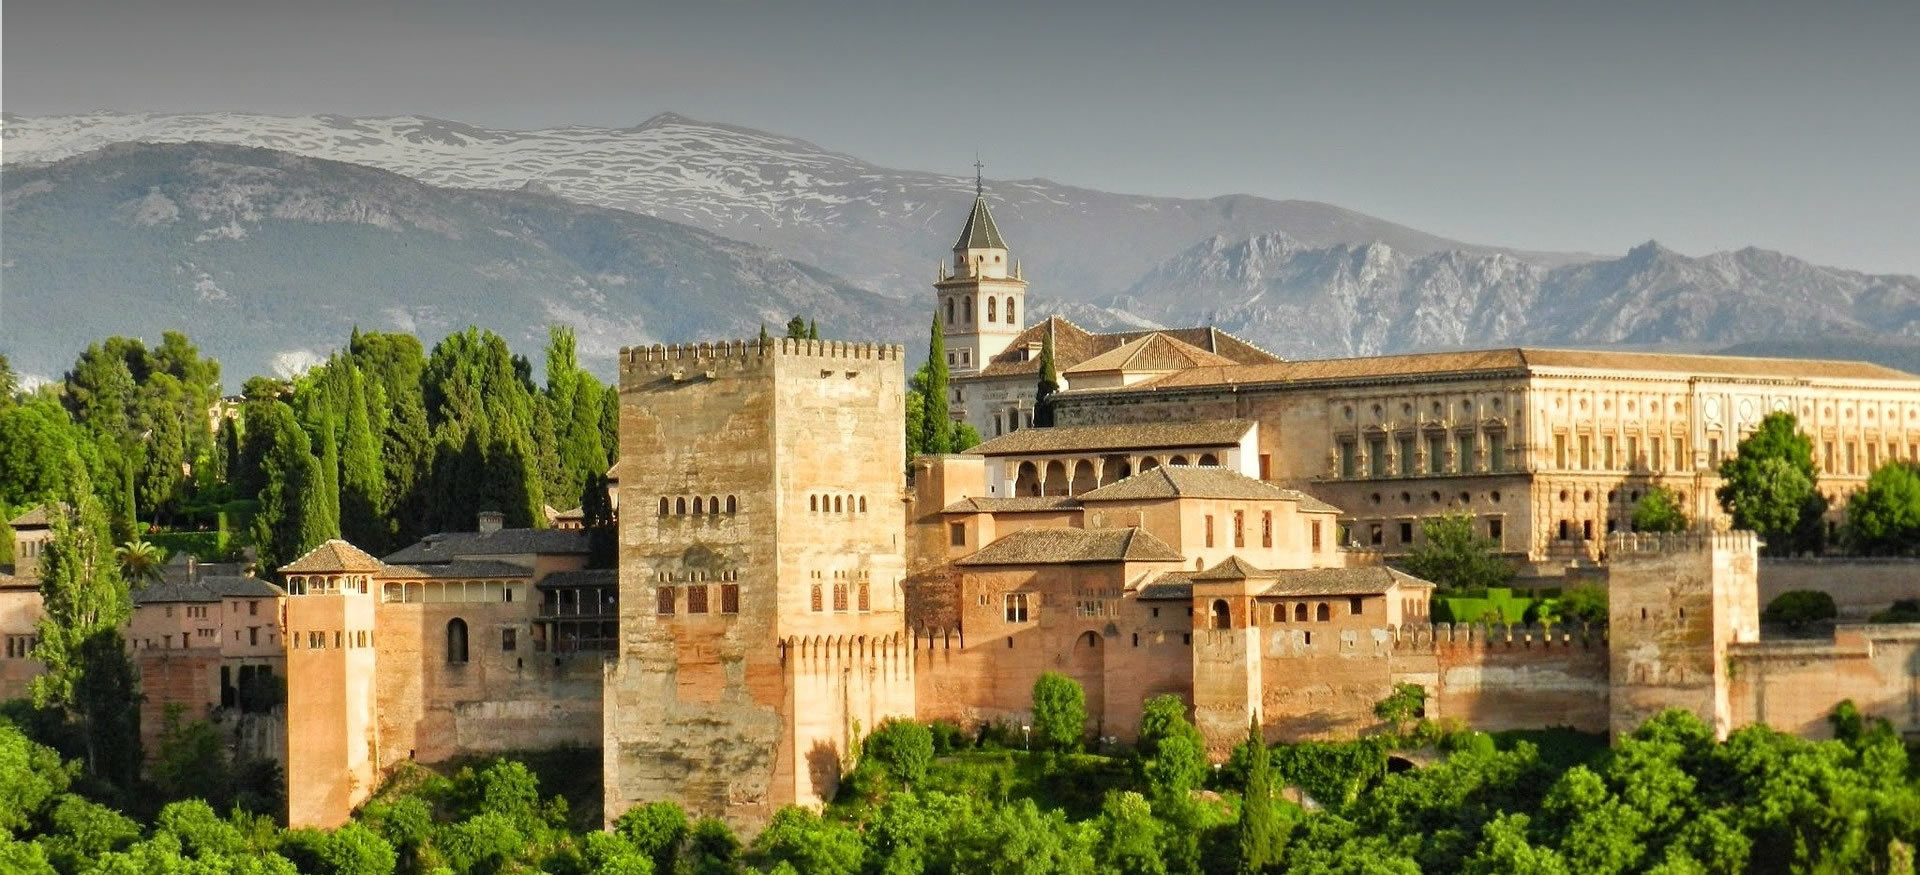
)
(1059, 712)
(1659, 511)
(1769, 486)
(930, 424)
(1799, 607)
(1454, 557)
(1049, 384)
(1884, 518)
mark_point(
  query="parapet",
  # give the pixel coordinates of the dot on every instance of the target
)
(1626, 544)
(1422, 638)
(662, 355)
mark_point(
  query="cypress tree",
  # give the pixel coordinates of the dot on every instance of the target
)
(1259, 827)
(765, 338)
(1049, 383)
(813, 330)
(936, 418)
(324, 522)
(361, 478)
(610, 423)
(797, 328)
(289, 520)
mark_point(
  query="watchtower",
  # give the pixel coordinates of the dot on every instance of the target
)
(761, 613)
(1676, 602)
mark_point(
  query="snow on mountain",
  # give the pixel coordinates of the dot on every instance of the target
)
(883, 229)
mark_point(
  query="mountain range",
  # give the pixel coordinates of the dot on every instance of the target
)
(275, 234)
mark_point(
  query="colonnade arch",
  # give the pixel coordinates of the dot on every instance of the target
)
(1066, 477)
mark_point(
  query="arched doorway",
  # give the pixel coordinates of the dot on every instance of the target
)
(1055, 482)
(1027, 480)
(1082, 477)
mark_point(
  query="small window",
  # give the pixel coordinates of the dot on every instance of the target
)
(993, 310)
(456, 641)
(1323, 613)
(1374, 535)
(697, 599)
(840, 598)
(866, 599)
(1016, 607)
(1300, 612)
(680, 506)
(1209, 530)
(663, 600)
(1266, 528)
(1186, 638)
(696, 505)
(1354, 605)
(733, 505)
(863, 504)
(836, 504)
(509, 639)
(713, 504)
(1010, 311)
(729, 598)
(1495, 528)
(1406, 533)
(1315, 530)
(1279, 613)
(1309, 639)
(815, 602)
(663, 505)
(1222, 616)
(1240, 528)
(957, 534)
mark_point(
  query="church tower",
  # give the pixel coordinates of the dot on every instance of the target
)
(981, 297)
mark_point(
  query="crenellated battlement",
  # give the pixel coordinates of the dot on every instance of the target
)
(661, 356)
(1437, 637)
(1627, 544)
(802, 649)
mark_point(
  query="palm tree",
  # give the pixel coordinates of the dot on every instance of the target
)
(140, 562)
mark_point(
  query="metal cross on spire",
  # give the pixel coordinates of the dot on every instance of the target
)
(979, 181)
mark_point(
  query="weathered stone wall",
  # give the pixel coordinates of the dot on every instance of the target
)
(1860, 586)
(189, 678)
(19, 617)
(332, 736)
(1676, 603)
(1793, 685)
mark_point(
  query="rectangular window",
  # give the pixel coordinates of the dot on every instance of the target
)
(1496, 451)
(1016, 607)
(1851, 468)
(1346, 458)
(1654, 464)
(253, 608)
(697, 598)
(957, 534)
(1266, 466)
(1560, 451)
(1495, 528)
(1586, 530)
(1239, 528)
(1633, 452)
(509, 640)
(1586, 452)
(1354, 604)
(1377, 457)
(1680, 461)
(1464, 453)
(1375, 535)
(1406, 533)
(816, 603)
(1406, 457)
(1606, 453)
(866, 598)
(253, 636)
(1315, 529)
(729, 598)
(1266, 529)
(840, 598)
(1713, 451)
(1437, 454)
(1826, 459)
(1209, 530)
(663, 600)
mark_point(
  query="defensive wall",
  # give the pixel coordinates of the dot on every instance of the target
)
(1793, 685)
(1861, 586)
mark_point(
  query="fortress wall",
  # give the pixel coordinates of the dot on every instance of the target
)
(499, 700)
(1793, 685)
(1860, 585)
(840, 688)
(189, 678)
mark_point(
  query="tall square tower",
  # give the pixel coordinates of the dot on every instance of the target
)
(761, 609)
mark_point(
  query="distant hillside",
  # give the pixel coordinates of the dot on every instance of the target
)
(1903, 355)
(268, 259)
(1304, 301)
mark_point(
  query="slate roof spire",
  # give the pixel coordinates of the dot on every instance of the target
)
(980, 232)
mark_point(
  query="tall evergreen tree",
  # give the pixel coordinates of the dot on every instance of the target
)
(1259, 827)
(327, 523)
(813, 330)
(362, 482)
(936, 417)
(394, 365)
(797, 328)
(289, 520)
(610, 423)
(1049, 383)
(84, 601)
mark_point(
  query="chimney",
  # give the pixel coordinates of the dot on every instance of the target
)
(491, 521)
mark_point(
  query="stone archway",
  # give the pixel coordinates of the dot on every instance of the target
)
(1055, 481)
(1114, 469)
(1083, 478)
(1027, 480)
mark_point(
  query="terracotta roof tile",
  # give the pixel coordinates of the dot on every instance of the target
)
(334, 555)
(465, 568)
(586, 578)
(1370, 580)
(1016, 504)
(1201, 481)
(1073, 345)
(446, 546)
(1129, 436)
(1155, 352)
(1066, 546)
(34, 518)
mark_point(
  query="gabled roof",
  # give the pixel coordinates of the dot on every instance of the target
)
(1130, 436)
(586, 578)
(1156, 352)
(1069, 546)
(34, 518)
(1073, 345)
(1015, 504)
(1371, 580)
(1201, 481)
(1233, 568)
(205, 589)
(333, 556)
(466, 569)
(447, 546)
(980, 232)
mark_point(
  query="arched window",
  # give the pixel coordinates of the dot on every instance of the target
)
(993, 310)
(1300, 612)
(966, 307)
(713, 504)
(680, 506)
(1010, 311)
(836, 504)
(456, 641)
(813, 502)
(849, 504)
(732, 505)
(1323, 613)
(1279, 613)
(696, 504)
(863, 504)
(949, 311)
(663, 505)
(1222, 618)
(1209, 459)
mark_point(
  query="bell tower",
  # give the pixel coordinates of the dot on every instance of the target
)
(981, 296)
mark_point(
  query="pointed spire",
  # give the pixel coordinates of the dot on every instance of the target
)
(980, 232)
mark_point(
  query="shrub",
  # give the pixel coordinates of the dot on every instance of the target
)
(904, 748)
(948, 737)
(1799, 607)
(1059, 712)
(1902, 611)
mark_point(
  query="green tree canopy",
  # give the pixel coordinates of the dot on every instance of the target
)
(1768, 486)
(1884, 518)
(1059, 712)
(1658, 510)
(1454, 557)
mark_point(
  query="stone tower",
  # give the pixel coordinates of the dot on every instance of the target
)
(333, 746)
(981, 297)
(1228, 686)
(1676, 602)
(761, 612)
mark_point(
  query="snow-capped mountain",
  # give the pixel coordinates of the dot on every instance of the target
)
(883, 229)
(270, 259)
(1305, 301)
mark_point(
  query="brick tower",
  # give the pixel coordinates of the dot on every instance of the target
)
(1675, 603)
(761, 614)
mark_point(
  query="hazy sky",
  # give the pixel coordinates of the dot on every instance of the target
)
(1591, 126)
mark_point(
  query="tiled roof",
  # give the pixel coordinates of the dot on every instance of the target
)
(980, 232)
(334, 555)
(1514, 360)
(589, 577)
(1166, 587)
(34, 518)
(1201, 481)
(444, 547)
(1371, 580)
(1049, 546)
(1155, 352)
(459, 568)
(205, 589)
(1234, 568)
(1016, 504)
(1142, 436)
(1073, 345)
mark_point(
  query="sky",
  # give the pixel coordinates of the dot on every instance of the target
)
(1548, 125)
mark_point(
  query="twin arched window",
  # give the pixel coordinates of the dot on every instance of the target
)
(456, 641)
